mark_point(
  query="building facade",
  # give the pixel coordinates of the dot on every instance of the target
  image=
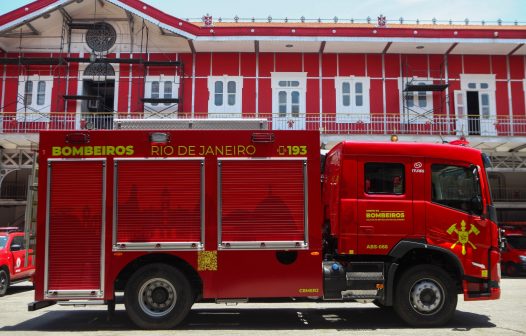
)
(81, 64)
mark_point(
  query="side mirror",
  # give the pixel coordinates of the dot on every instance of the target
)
(475, 172)
(15, 247)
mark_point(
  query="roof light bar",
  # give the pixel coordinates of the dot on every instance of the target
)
(263, 137)
(159, 137)
(77, 138)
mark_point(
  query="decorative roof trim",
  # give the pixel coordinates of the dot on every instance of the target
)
(30, 14)
(311, 31)
(155, 20)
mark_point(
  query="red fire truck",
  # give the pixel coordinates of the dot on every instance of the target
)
(176, 217)
(16, 263)
(513, 256)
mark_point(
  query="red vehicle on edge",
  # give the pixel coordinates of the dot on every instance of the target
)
(514, 253)
(169, 218)
(13, 265)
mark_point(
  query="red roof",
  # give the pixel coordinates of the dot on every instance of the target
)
(302, 29)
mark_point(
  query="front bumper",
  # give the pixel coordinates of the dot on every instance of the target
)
(488, 288)
(481, 289)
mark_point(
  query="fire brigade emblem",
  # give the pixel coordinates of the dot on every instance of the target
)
(463, 235)
(382, 21)
(208, 20)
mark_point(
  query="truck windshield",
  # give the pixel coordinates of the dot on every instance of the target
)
(518, 243)
(3, 241)
(456, 187)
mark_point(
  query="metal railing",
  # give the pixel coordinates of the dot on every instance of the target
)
(329, 123)
(13, 190)
(508, 194)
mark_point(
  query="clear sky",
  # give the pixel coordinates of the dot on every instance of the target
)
(475, 10)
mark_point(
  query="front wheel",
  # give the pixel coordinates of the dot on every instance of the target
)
(4, 281)
(158, 296)
(425, 296)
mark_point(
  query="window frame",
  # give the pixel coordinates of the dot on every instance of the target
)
(39, 107)
(466, 201)
(488, 119)
(400, 165)
(415, 116)
(15, 240)
(489, 92)
(353, 113)
(231, 110)
(293, 117)
(161, 92)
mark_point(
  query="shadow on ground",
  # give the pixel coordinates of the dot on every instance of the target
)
(246, 319)
(12, 290)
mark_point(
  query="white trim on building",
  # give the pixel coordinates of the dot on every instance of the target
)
(225, 98)
(34, 98)
(352, 99)
(289, 91)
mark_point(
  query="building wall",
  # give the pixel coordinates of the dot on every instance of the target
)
(384, 72)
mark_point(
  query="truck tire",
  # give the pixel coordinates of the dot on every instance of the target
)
(425, 296)
(158, 296)
(4, 281)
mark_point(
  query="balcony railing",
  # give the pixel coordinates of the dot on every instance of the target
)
(338, 124)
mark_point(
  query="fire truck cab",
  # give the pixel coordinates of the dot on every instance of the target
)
(13, 264)
(405, 221)
(170, 218)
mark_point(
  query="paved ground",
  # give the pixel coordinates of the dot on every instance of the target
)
(502, 317)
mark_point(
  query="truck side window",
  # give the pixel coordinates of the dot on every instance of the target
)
(454, 186)
(384, 178)
(18, 241)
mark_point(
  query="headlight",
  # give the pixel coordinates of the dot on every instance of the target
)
(522, 258)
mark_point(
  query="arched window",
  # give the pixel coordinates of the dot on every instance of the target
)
(99, 69)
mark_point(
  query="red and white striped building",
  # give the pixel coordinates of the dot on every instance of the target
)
(74, 64)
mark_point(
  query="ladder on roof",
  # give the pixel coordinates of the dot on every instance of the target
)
(30, 227)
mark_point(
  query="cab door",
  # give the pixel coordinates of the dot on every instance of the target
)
(385, 203)
(454, 214)
(18, 256)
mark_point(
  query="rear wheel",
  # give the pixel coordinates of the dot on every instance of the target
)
(158, 296)
(4, 281)
(425, 296)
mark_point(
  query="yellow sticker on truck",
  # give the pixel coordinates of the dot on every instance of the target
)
(384, 215)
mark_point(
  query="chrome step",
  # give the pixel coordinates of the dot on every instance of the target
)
(364, 276)
(360, 294)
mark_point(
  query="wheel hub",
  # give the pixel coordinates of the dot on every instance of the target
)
(157, 297)
(426, 296)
